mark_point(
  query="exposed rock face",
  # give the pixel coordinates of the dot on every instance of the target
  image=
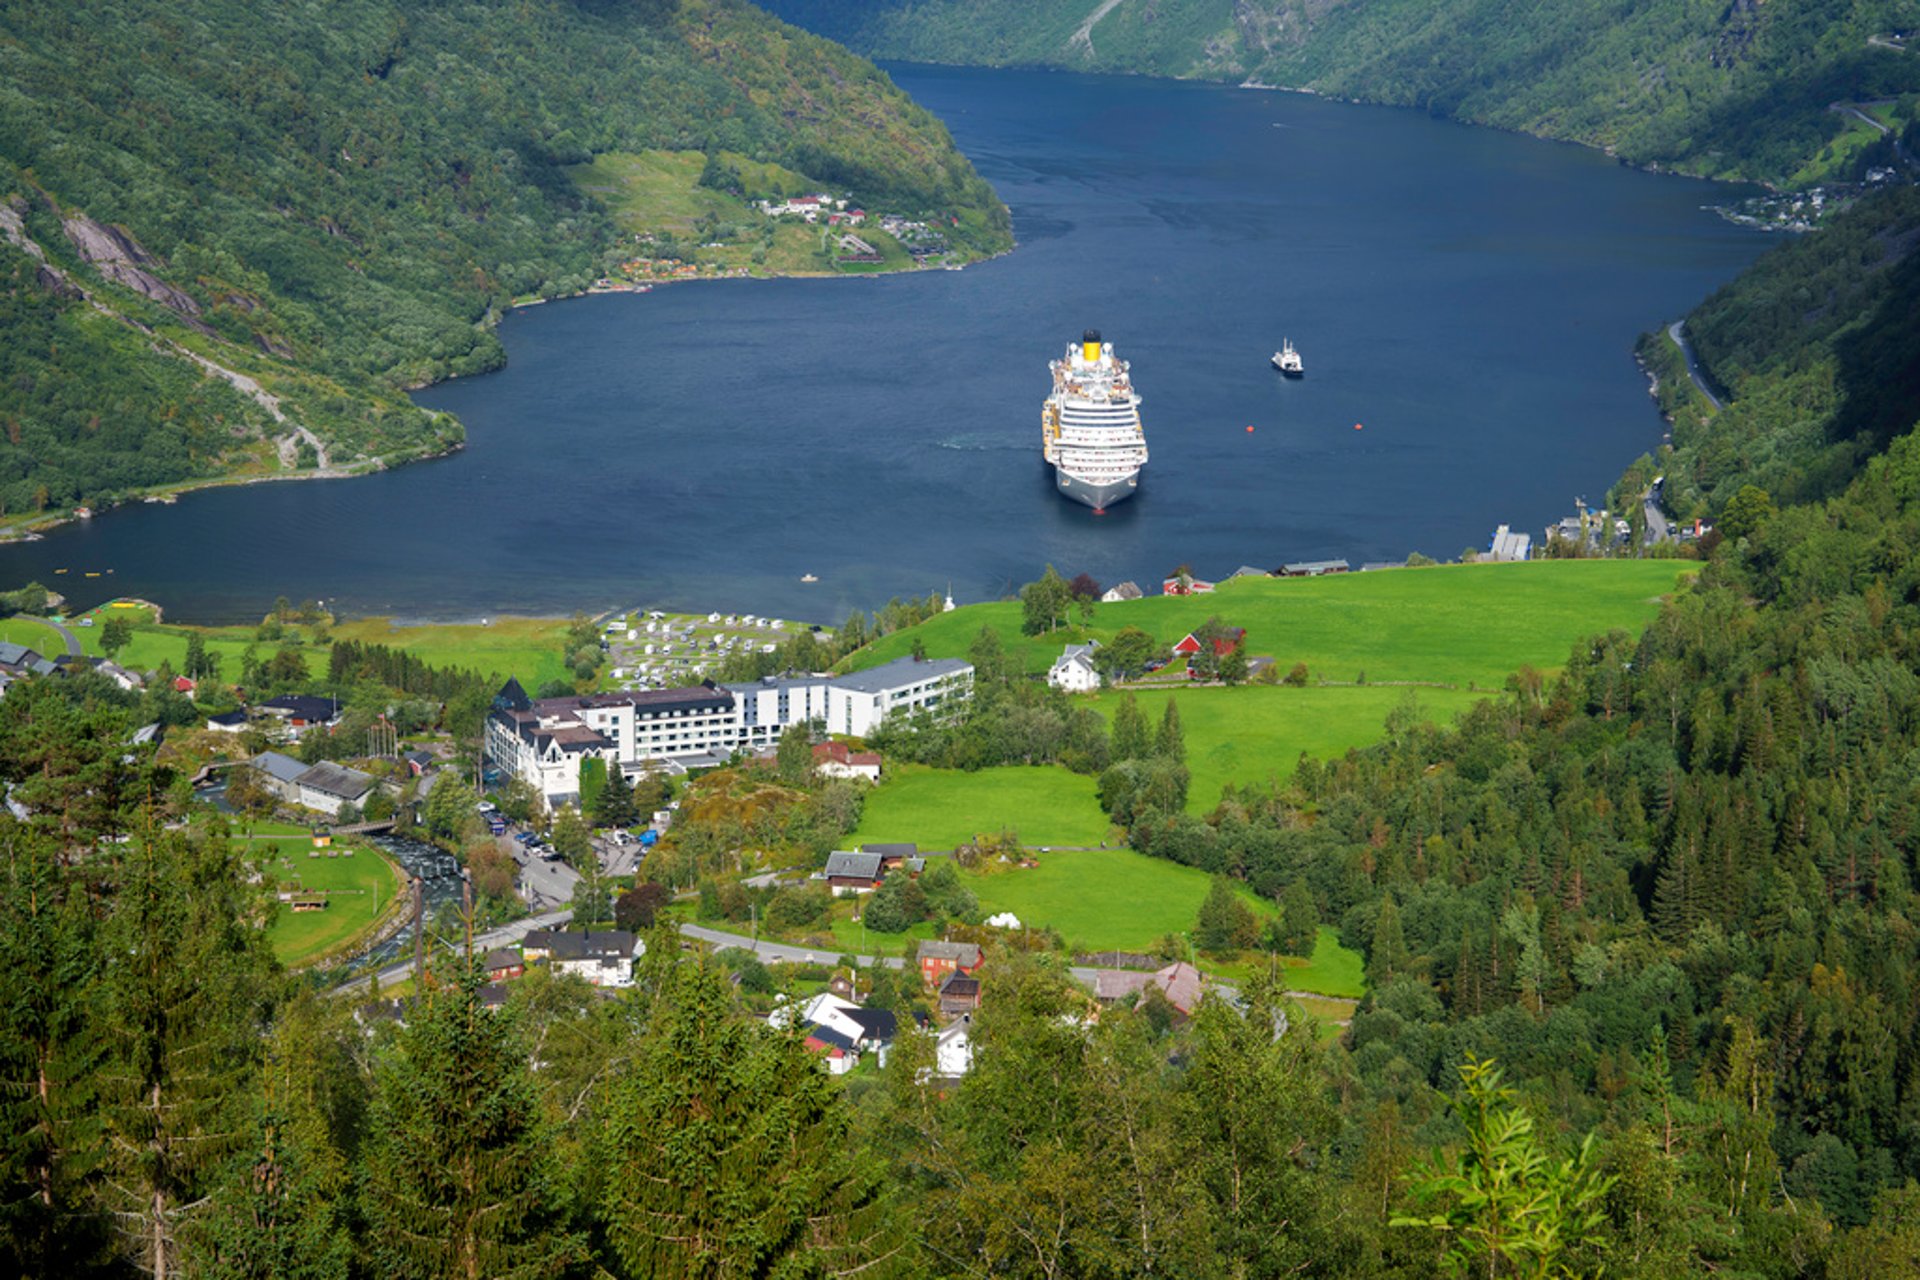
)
(119, 257)
(13, 226)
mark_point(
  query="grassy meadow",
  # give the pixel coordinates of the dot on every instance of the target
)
(1101, 900)
(530, 648)
(1256, 733)
(1448, 624)
(943, 808)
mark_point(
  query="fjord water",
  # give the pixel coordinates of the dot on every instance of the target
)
(1470, 297)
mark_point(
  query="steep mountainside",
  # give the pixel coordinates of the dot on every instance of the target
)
(1732, 90)
(1817, 350)
(231, 234)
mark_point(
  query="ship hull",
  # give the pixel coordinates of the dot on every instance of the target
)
(1097, 496)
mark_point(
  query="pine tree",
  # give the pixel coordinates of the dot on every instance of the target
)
(460, 1166)
(727, 1152)
(1170, 743)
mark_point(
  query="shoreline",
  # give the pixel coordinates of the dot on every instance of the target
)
(36, 528)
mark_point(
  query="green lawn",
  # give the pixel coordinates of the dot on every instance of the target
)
(530, 648)
(1334, 972)
(1110, 899)
(37, 636)
(944, 808)
(1450, 624)
(1255, 734)
(856, 941)
(154, 643)
(358, 889)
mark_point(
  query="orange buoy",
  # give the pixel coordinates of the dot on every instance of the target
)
(1249, 428)
(1358, 427)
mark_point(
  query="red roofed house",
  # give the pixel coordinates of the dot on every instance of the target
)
(838, 760)
(938, 959)
(1222, 644)
(1185, 586)
(183, 685)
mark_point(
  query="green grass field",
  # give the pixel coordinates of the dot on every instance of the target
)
(154, 643)
(358, 888)
(941, 809)
(530, 648)
(37, 636)
(1110, 899)
(1450, 624)
(1255, 734)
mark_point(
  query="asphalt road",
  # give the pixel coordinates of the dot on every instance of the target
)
(1677, 331)
(73, 641)
(482, 942)
(1658, 528)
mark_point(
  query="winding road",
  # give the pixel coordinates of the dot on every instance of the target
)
(482, 943)
(72, 640)
(1677, 331)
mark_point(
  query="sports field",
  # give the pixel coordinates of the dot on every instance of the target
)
(945, 808)
(1449, 624)
(359, 883)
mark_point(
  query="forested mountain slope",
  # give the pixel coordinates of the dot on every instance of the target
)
(1817, 349)
(333, 200)
(1727, 90)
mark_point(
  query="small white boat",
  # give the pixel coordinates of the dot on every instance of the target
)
(807, 577)
(1287, 360)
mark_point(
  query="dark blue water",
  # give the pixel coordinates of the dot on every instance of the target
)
(1472, 297)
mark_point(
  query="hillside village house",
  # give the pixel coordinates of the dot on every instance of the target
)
(604, 957)
(1074, 671)
(847, 872)
(1122, 591)
(1223, 644)
(545, 741)
(297, 713)
(838, 760)
(938, 959)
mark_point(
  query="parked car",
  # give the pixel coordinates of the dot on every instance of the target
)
(1156, 664)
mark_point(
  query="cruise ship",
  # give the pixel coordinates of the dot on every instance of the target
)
(1090, 426)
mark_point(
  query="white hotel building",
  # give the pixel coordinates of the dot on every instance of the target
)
(544, 742)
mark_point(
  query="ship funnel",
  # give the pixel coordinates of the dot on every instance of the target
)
(1090, 346)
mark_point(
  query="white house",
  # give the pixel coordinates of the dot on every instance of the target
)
(1124, 591)
(603, 957)
(838, 760)
(953, 1050)
(329, 787)
(1074, 671)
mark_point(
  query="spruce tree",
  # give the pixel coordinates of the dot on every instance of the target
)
(185, 1011)
(460, 1165)
(1170, 743)
(49, 1047)
(727, 1152)
(1387, 955)
(1131, 740)
(1299, 920)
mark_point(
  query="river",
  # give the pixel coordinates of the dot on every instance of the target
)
(1469, 298)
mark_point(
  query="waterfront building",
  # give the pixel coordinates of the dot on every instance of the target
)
(546, 741)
